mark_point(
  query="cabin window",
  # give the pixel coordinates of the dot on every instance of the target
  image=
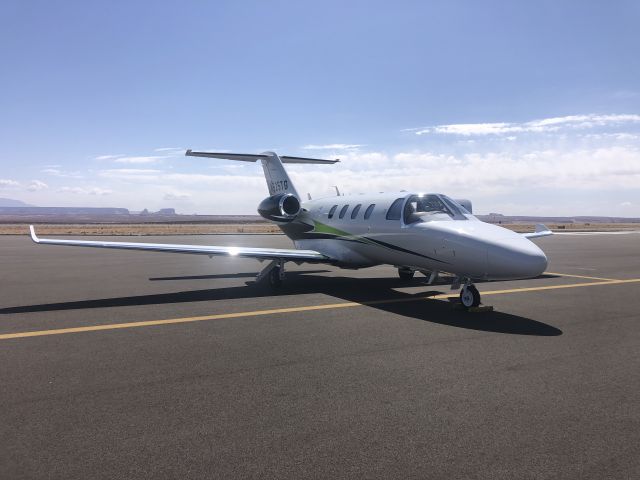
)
(343, 211)
(356, 209)
(369, 211)
(395, 210)
(332, 211)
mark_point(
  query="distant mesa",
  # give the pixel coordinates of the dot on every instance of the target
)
(9, 202)
(162, 211)
(17, 211)
(29, 210)
(512, 219)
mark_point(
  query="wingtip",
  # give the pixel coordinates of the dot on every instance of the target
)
(187, 153)
(34, 237)
(541, 227)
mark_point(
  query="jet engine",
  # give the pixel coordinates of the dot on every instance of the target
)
(282, 207)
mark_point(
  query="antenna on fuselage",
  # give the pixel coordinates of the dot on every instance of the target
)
(337, 190)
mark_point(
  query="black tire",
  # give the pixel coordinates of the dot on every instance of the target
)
(275, 281)
(471, 298)
(405, 274)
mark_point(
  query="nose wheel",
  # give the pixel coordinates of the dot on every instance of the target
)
(469, 296)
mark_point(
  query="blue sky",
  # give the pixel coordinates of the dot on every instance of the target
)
(524, 107)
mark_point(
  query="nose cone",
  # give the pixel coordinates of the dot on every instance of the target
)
(516, 258)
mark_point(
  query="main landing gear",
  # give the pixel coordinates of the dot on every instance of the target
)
(274, 273)
(406, 273)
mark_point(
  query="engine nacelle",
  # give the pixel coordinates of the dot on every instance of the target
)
(283, 207)
(465, 203)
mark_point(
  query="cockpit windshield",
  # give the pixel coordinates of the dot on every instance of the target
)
(424, 207)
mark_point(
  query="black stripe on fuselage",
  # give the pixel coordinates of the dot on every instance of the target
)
(297, 230)
(404, 250)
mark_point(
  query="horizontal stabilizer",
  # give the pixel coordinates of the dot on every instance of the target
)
(248, 157)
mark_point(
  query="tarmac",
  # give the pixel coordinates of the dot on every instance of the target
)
(117, 364)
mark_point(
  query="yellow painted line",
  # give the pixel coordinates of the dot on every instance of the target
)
(579, 276)
(309, 308)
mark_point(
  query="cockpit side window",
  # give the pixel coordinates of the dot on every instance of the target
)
(420, 205)
(395, 210)
(455, 205)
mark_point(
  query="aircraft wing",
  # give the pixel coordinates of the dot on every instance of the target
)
(248, 252)
(541, 230)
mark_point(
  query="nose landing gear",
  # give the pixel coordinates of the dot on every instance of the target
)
(469, 296)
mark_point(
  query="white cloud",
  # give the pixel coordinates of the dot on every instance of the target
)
(109, 157)
(553, 124)
(140, 159)
(37, 185)
(129, 171)
(85, 191)
(56, 172)
(170, 196)
(170, 150)
(6, 183)
(141, 176)
(517, 174)
(562, 181)
(334, 146)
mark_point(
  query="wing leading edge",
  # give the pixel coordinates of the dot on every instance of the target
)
(247, 252)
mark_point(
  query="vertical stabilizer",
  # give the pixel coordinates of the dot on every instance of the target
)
(278, 180)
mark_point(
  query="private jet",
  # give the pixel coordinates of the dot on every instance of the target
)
(429, 233)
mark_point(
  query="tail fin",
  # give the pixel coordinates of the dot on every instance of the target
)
(278, 180)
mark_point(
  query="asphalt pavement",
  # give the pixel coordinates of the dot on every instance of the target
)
(117, 364)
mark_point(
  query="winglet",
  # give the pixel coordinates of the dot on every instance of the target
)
(33, 234)
(541, 230)
(187, 153)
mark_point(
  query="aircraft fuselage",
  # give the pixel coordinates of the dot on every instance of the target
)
(435, 241)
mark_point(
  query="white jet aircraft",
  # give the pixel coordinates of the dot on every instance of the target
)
(425, 232)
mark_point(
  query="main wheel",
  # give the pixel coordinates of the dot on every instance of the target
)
(469, 296)
(405, 273)
(274, 278)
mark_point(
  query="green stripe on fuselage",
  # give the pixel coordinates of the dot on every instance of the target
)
(321, 228)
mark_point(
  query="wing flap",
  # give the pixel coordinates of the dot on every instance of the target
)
(247, 252)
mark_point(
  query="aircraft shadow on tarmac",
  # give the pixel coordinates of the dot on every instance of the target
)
(378, 293)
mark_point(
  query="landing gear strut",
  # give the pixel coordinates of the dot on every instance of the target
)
(469, 296)
(274, 273)
(405, 273)
(276, 276)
